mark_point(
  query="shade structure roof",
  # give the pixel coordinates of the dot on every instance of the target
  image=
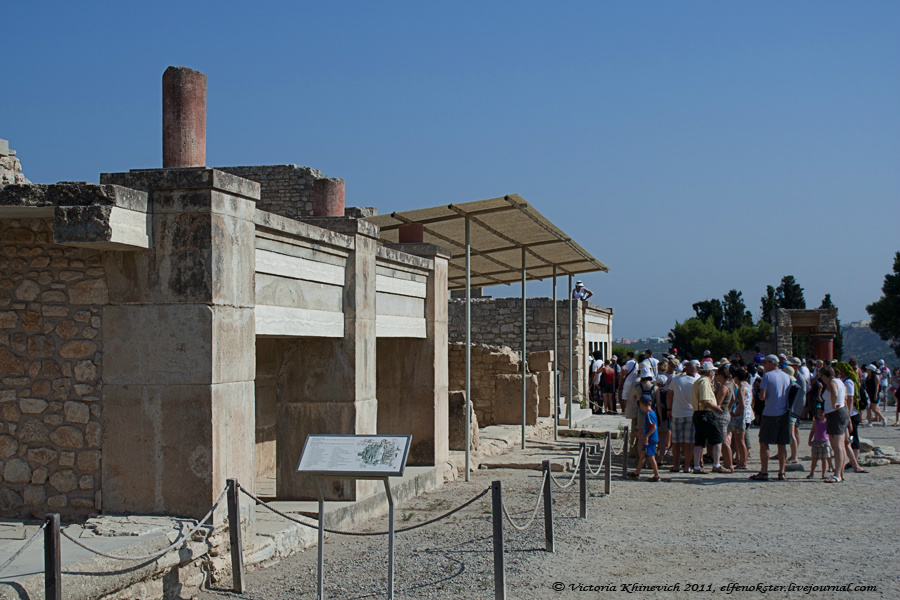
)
(499, 229)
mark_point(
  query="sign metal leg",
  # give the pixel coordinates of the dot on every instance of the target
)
(390, 499)
(320, 580)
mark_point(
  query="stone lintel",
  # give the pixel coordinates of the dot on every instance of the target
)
(34, 195)
(102, 227)
(4, 148)
(267, 220)
(421, 249)
(345, 225)
(187, 178)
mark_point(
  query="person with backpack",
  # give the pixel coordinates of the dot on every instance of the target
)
(855, 403)
(796, 404)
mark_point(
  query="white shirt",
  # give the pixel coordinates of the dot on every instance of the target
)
(580, 293)
(804, 370)
(595, 371)
(654, 364)
(850, 395)
(681, 395)
(630, 379)
(832, 404)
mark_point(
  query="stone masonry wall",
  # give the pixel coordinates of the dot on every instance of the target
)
(498, 322)
(51, 299)
(285, 190)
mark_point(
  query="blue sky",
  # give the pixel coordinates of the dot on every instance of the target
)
(693, 147)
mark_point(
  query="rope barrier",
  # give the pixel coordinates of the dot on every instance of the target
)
(533, 515)
(600, 466)
(24, 547)
(365, 533)
(181, 538)
(571, 479)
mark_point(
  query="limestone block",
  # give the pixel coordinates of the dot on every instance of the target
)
(8, 446)
(507, 405)
(39, 476)
(77, 412)
(33, 406)
(64, 481)
(10, 500)
(541, 360)
(41, 456)
(66, 459)
(34, 495)
(32, 431)
(67, 437)
(546, 393)
(457, 422)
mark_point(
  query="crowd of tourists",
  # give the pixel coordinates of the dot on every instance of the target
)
(693, 412)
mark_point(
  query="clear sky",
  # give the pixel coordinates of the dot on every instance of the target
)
(693, 147)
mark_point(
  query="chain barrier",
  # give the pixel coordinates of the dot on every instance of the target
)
(571, 479)
(619, 451)
(181, 538)
(537, 505)
(24, 547)
(363, 533)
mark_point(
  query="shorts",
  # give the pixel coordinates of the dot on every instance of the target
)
(650, 449)
(683, 430)
(822, 450)
(736, 424)
(775, 430)
(722, 420)
(793, 420)
(706, 429)
(836, 421)
(607, 388)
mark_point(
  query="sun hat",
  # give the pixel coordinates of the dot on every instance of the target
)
(872, 367)
(771, 358)
(661, 380)
(706, 353)
(789, 371)
(644, 399)
(579, 283)
(794, 361)
(707, 367)
(646, 372)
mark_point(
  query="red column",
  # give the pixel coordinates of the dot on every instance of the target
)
(412, 233)
(328, 198)
(823, 348)
(184, 118)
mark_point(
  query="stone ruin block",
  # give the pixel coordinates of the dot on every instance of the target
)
(546, 393)
(540, 361)
(508, 400)
(457, 423)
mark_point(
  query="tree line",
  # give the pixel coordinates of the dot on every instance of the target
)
(726, 326)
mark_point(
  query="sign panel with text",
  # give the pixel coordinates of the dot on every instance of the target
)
(354, 455)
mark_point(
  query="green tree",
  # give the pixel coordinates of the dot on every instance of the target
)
(838, 347)
(767, 304)
(709, 309)
(695, 335)
(885, 311)
(789, 294)
(735, 313)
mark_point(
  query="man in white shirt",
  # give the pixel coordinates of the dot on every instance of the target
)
(654, 363)
(626, 379)
(678, 402)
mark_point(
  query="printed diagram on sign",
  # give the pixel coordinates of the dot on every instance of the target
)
(382, 452)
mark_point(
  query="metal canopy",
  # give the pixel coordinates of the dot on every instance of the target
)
(502, 228)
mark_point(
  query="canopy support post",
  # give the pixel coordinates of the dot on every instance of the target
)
(468, 345)
(524, 348)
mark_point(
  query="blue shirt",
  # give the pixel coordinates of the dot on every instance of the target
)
(650, 419)
(776, 383)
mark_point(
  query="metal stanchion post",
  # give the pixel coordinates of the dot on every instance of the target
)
(234, 530)
(499, 564)
(390, 497)
(548, 509)
(52, 566)
(607, 460)
(320, 580)
(582, 475)
(625, 454)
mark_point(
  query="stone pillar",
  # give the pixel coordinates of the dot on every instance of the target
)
(179, 336)
(328, 197)
(418, 369)
(328, 385)
(823, 347)
(412, 233)
(184, 118)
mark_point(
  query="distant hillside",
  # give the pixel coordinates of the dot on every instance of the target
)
(864, 344)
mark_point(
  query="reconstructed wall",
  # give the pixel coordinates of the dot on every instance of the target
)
(10, 167)
(497, 385)
(498, 322)
(51, 300)
(285, 190)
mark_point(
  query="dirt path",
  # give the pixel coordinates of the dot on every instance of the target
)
(706, 531)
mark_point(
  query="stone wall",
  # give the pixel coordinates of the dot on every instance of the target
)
(498, 322)
(285, 190)
(10, 167)
(51, 298)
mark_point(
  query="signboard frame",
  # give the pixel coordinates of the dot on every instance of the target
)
(355, 474)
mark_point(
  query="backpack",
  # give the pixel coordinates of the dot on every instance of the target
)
(795, 395)
(863, 402)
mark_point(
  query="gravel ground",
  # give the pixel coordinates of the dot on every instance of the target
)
(706, 531)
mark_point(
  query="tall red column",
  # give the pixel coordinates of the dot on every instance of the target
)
(823, 348)
(184, 118)
(328, 197)
(412, 233)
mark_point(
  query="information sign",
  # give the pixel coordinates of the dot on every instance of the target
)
(354, 455)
